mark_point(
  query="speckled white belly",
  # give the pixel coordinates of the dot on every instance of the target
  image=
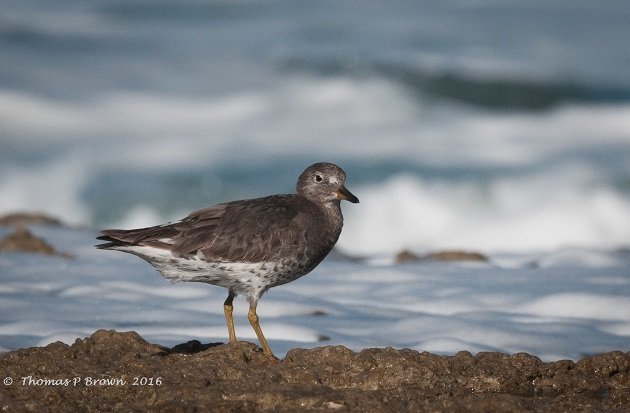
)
(250, 279)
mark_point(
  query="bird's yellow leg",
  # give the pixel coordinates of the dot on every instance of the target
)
(227, 310)
(253, 320)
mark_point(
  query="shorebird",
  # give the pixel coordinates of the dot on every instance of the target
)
(246, 246)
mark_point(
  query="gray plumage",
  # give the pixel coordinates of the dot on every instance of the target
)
(247, 246)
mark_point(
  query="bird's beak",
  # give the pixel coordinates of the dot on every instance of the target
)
(343, 193)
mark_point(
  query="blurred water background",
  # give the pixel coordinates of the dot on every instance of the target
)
(488, 125)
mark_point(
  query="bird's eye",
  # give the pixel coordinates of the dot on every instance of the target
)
(319, 177)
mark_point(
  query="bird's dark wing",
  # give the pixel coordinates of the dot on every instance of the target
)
(151, 236)
(250, 231)
(254, 230)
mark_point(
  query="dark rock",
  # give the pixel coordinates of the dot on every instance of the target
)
(26, 218)
(23, 240)
(447, 255)
(120, 371)
(406, 256)
(456, 255)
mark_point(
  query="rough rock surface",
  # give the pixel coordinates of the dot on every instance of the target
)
(112, 371)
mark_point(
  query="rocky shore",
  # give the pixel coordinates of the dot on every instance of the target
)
(119, 371)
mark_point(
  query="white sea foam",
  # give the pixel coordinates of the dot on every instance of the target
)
(339, 117)
(53, 187)
(538, 212)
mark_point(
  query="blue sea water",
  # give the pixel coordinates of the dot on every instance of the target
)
(487, 125)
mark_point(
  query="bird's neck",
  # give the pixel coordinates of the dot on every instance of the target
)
(333, 212)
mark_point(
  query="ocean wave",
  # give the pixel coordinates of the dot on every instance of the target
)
(500, 94)
(527, 213)
(449, 176)
(504, 92)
